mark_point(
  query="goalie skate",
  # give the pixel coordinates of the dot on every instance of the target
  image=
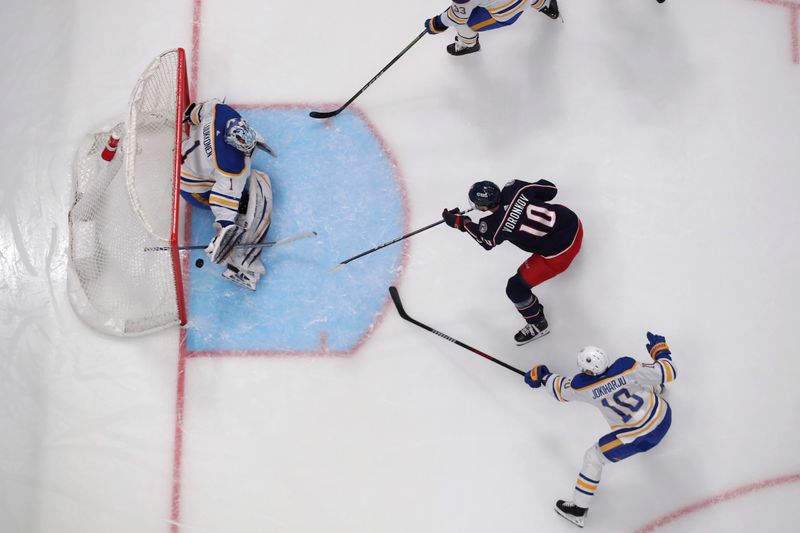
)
(243, 278)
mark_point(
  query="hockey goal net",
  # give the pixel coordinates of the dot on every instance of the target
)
(128, 204)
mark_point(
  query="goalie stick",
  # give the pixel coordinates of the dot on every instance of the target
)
(405, 316)
(269, 244)
(329, 114)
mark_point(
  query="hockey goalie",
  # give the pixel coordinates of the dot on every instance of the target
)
(216, 174)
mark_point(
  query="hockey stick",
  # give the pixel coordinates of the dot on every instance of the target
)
(328, 114)
(384, 245)
(269, 244)
(402, 312)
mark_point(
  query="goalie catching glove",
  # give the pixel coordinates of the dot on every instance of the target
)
(223, 242)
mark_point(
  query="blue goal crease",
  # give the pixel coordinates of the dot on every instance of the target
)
(338, 181)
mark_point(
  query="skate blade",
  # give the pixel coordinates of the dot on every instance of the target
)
(578, 521)
(536, 338)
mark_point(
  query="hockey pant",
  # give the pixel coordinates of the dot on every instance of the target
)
(481, 19)
(535, 270)
(609, 449)
(256, 219)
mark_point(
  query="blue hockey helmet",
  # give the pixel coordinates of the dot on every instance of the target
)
(484, 194)
(240, 135)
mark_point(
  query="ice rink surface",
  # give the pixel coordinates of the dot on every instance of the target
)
(671, 129)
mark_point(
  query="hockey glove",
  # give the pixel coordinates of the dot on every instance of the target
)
(223, 242)
(537, 376)
(454, 219)
(434, 25)
(657, 346)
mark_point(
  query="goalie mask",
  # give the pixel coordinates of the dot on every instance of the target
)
(240, 135)
(592, 360)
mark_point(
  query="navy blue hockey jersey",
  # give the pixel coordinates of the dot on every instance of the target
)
(528, 220)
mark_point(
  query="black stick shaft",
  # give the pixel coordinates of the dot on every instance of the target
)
(405, 316)
(328, 114)
(384, 245)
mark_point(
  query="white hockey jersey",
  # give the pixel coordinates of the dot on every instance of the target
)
(213, 173)
(626, 394)
(500, 10)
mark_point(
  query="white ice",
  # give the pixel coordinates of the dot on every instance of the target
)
(672, 129)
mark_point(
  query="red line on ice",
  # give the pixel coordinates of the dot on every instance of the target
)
(197, 13)
(177, 454)
(719, 498)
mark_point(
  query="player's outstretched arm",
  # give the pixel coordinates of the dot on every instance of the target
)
(662, 370)
(558, 386)
(537, 376)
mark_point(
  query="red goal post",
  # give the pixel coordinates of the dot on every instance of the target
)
(128, 203)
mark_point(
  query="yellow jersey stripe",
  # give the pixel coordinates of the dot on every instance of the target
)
(557, 388)
(483, 24)
(510, 13)
(185, 185)
(455, 18)
(669, 373)
(611, 445)
(500, 8)
(218, 200)
(189, 175)
(582, 484)
(656, 419)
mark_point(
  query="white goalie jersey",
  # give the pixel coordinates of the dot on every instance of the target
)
(213, 173)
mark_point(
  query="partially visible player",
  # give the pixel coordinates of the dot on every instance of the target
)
(522, 214)
(216, 174)
(628, 394)
(472, 16)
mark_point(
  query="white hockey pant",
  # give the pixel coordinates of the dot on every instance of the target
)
(589, 476)
(256, 221)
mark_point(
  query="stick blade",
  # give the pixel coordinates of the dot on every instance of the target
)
(324, 114)
(397, 302)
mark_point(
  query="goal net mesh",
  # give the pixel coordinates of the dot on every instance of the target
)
(125, 206)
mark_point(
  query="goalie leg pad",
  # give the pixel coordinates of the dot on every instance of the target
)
(257, 220)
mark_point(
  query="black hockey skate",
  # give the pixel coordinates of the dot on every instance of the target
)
(533, 331)
(551, 10)
(458, 49)
(571, 512)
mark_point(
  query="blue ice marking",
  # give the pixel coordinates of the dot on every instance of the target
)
(334, 179)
